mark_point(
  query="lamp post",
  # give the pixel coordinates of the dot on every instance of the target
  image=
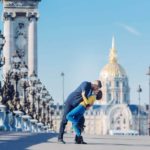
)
(44, 94)
(44, 112)
(24, 84)
(139, 90)
(62, 75)
(2, 43)
(148, 73)
(51, 117)
(16, 75)
(49, 110)
(33, 90)
(48, 113)
(38, 97)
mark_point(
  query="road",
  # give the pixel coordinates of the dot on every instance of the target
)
(48, 141)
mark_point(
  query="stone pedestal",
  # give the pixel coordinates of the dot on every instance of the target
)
(18, 120)
(33, 125)
(45, 128)
(40, 126)
(26, 123)
(9, 121)
(2, 117)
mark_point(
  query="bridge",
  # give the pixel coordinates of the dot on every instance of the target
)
(48, 141)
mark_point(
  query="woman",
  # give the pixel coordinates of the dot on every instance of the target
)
(78, 112)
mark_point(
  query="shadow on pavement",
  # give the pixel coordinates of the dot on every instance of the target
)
(24, 142)
(119, 144)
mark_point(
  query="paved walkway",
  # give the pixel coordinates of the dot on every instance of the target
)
(48, 141)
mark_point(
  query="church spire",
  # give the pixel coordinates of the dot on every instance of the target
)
(113, 52)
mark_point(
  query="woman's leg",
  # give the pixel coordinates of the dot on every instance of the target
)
(74, 116)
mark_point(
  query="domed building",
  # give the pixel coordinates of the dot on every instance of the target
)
(114, 80)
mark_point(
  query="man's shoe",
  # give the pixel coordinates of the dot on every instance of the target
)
(61, 141)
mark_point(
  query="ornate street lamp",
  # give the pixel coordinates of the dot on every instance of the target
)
(38, 98)
(148, 73)
(51, 116)
(40, 114)
(48, 114)
(33, 90)
(44, 112)
(139, 90)
(8, 92)
(48, 97)
(39, 85)
(24, 70)
(62, 75)
(16, 75)
(24, 83)
(44, 91)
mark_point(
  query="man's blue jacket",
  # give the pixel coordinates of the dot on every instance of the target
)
(75, 97)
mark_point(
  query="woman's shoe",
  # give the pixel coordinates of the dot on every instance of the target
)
(79, 140)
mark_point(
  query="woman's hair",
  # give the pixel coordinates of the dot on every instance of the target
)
(99, 95)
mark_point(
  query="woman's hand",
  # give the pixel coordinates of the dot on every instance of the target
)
(83, 93)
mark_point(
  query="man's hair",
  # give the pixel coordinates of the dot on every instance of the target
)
(99, 95)
(98, 83)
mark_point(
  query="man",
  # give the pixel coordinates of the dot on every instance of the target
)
(74, 100)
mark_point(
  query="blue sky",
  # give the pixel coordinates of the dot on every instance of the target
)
(74, 36)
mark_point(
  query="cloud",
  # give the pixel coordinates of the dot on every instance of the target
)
(130, 29)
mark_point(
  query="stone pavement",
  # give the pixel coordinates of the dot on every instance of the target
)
(48, 141)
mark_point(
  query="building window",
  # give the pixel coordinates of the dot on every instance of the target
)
(109, 83)
(124, 97)
(109, 96)
(124, 121)
(123, 84)
(117, 97)
(117, 83)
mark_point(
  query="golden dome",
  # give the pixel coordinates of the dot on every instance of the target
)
(113, 68)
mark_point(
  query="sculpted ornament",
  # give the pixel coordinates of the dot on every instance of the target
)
(21, 4)
(21, 40)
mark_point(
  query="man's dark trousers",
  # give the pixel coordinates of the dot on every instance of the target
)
(67, 109)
